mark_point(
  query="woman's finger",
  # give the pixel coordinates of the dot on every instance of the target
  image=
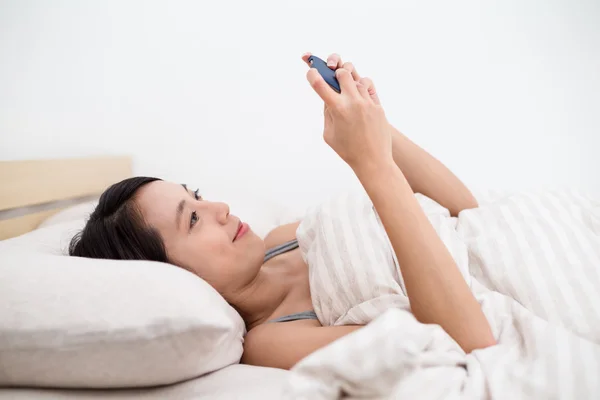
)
(347, 84)
(368, 83)
(350, 67)
(305, 57)
(364, 93)
(327, 94)
(334, 61)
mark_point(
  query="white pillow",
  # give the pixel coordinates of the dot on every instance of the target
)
(88, 323)
(77, 212)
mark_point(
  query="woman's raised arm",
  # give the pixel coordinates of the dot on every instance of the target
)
(424, 173)
(356, 129)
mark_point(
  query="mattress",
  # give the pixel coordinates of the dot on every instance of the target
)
(234, 382)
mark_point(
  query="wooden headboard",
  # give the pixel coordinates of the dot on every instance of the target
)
(31, 191)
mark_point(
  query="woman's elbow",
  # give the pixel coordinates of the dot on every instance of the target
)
(465, 204)
(489, 342)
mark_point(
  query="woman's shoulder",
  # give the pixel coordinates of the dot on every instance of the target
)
(281, 234)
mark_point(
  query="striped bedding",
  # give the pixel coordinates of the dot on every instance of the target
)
(532, 261)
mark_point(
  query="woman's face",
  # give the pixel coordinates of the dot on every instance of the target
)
(200, 236)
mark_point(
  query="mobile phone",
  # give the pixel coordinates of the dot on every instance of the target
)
(327, 73)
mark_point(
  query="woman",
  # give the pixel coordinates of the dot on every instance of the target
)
(149, 219)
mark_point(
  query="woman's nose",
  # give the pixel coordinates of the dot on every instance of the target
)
(222, 212)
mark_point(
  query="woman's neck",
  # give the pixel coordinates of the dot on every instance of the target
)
(258, 300)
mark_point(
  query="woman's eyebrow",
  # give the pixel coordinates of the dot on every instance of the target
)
(178, 213)
(180, 206)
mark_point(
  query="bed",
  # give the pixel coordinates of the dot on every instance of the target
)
(530, 258)
(55, 196)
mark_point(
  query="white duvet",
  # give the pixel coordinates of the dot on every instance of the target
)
(531, 259)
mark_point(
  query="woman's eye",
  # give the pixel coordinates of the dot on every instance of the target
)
(197, 195)
(193, 219)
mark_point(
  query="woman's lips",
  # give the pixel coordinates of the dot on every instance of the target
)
(242, 230)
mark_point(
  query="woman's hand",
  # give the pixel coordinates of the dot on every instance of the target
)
(334, 61)
(355, 124)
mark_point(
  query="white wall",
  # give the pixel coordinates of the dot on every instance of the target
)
(507, 94)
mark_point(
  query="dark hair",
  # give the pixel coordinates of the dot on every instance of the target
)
(117, 230)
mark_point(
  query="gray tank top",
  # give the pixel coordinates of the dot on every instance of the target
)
(283, 248)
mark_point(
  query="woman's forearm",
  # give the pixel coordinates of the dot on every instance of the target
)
(429, 176)
(437, 292)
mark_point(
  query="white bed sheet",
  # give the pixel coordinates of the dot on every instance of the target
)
(234, 382)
